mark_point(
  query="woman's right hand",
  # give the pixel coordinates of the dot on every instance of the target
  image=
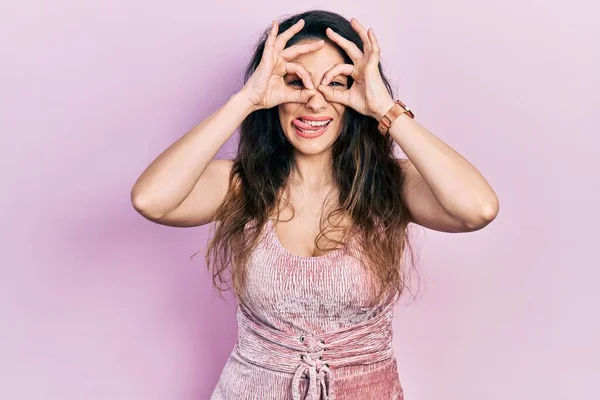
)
(266, 87)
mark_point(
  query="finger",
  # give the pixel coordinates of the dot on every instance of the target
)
(271, 38)
(306, 94)
(294, 51)
(334, 95)
(287, 35)
(375, 55)
(298, 69)
(362, 32)
(272, 33)
(351, 49)
(298, 96)
(338, 69)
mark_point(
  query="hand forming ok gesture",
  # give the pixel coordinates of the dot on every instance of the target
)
(266, 87)
(368, 94)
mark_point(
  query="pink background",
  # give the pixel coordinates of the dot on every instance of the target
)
(97, 303)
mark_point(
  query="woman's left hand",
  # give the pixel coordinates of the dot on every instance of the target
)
(368, 94)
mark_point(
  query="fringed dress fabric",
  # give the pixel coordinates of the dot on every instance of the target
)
(307, 331)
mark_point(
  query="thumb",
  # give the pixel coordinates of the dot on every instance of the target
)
(306, 94)
(332, 95)
(297, 96)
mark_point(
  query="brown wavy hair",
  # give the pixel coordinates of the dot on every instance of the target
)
(366, 175)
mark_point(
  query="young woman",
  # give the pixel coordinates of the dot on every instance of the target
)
(313, 213)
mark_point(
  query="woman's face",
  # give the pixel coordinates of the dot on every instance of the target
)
(307, 136)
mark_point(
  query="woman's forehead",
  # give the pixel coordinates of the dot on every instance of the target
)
(320, 61)
(328, 51)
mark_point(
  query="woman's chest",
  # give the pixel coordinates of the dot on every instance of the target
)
(324, 294)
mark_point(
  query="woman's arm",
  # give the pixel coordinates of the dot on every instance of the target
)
(169, 180)
(442, 190)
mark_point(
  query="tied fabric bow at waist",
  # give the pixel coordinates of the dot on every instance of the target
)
(316, 355)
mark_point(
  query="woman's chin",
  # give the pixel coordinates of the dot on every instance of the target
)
(312, 145)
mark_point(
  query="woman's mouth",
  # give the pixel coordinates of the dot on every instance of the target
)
(310, 129)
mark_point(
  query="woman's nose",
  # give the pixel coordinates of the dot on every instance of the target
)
(317, 101)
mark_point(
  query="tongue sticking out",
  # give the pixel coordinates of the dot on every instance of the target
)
(302, 125)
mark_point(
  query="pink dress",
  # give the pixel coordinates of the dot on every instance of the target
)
(307, 331)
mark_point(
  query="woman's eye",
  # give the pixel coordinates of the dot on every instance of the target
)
(299, 82)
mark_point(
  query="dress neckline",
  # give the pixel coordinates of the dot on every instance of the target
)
(326, 256)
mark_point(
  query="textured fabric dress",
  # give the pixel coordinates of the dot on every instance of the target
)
(307, 331)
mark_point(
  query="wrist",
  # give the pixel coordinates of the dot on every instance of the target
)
(378, 114)
(244, 101)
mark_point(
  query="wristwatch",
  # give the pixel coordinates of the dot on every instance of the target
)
(394, 112)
